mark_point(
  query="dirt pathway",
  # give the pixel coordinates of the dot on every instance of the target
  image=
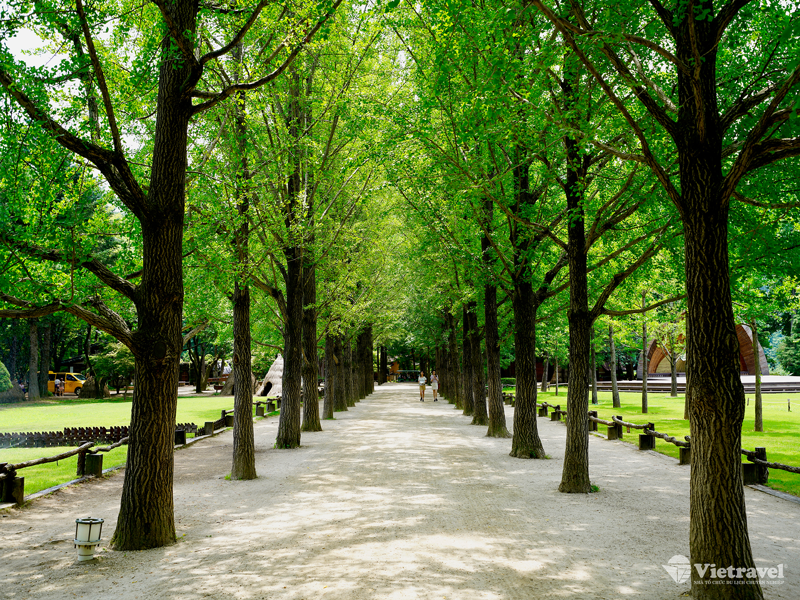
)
(395, 499)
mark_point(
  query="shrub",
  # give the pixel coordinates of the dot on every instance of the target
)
(5, 378)
(508, 381)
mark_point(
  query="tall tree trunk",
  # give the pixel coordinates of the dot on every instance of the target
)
(614, 387)
(44, 363)
(759, 424)
(454, 395)
(673, 376)
(469, 406)
(366, 363)
(480, 416)
(545, 373)
(555, 374)
(244, 458)
(594, 376)
(14, 353)
(384, 364)
(33, 361)
(146, 516)
(525, 442)
(289, 423)
(718, 520)
(644, 360)
(330, 379)
(347, 372)
(575, 473)
(362, 355)
(497, 415)
(340, 404)
(310, 372)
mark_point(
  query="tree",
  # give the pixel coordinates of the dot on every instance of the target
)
(146, 512)
(722, 120)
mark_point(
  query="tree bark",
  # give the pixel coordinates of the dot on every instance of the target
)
(718, 519)
(366, 363)
(614, 385)
(14, 353)
(497, 415)
(673, 376)
(759, 417)
(644, 359)
(347, 372)
(330, 379)
(340, 403)
(480, 416)
(555, 374)
(360, 378)
(469, 390)
(244, 458)
(525, 442)
(545, 373)
(454, 395)
(33, 361)
(310, 372)
(44, 363)
(575, 473)
(289, 423)
(594, 376)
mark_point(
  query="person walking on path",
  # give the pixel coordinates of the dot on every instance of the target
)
(422, 379)
(434, 385)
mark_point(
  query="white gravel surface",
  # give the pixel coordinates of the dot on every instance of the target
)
(395, 499)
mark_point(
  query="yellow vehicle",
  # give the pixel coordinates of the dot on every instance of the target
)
(71, 383)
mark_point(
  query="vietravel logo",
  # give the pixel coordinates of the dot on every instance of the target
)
(680, 569)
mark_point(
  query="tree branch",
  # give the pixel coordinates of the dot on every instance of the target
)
(243, 87)
(238, 37)
(101, 78)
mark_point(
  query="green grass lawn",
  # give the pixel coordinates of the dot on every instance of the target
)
(781, 436)
(54, 414)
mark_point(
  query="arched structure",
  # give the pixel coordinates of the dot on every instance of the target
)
(658, 363)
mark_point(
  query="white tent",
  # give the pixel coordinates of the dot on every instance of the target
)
(272, 386)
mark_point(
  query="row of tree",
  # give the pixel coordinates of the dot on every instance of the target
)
(401, 169)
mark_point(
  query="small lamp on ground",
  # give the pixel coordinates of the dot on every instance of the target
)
(87, 536)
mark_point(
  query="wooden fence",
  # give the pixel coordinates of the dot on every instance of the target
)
(90, 458)
(756, 470)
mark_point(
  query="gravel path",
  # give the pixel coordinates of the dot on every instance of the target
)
(395, 499)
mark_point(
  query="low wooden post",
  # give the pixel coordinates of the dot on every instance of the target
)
(556, 414)
(647, 441)
(542, 411)
(81, 470)
(762, 472)
(613, 432)
(208, 429)
(12, 488)
(180, 437)
(749, 476)
(93, 464)
(592, 424)
(228, 420)
(619, 427)
(684, 455)
(259, 409)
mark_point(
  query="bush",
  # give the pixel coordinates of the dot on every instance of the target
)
(508, 380)
(5, 378)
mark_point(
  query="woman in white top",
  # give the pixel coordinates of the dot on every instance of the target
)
(422, 379)
(434, 385)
